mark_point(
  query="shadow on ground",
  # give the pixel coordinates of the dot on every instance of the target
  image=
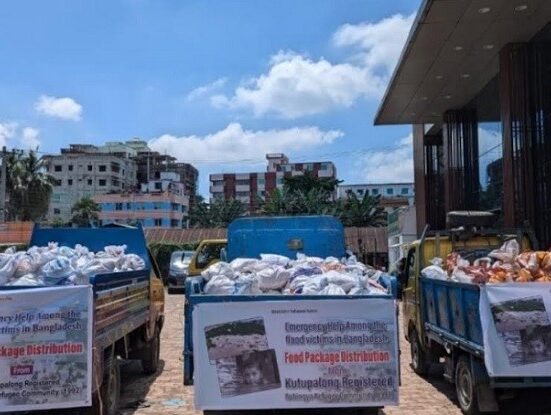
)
(135, 386)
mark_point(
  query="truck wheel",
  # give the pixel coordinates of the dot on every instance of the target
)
(151, 353)
(465, 387)
(419, 362)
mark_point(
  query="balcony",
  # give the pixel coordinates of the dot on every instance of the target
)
(216, 188)
(243, 188)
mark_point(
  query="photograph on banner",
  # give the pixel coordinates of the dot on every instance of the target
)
(234, 338)
(524, 327)
(248, 373)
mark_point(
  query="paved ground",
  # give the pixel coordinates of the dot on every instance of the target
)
(164, 393)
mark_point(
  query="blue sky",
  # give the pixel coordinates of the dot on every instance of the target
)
(215, 83)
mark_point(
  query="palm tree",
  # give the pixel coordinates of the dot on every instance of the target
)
(362, 212)
(28, 186)
(85, 212)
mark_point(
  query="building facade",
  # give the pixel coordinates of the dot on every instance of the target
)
(84, 171)
(474, 83)
(249, 188)
(385, 190)
(160, 203)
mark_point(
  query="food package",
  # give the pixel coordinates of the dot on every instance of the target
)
(332, 289)
(345, 281)
(273, 278)
(434, 272)
(247, 284)
(219, 285)
(243, 264)
(275, 259)
(220, 268)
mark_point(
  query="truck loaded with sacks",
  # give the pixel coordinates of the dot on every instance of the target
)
(478, 298)
(290, 320)
(74, 304)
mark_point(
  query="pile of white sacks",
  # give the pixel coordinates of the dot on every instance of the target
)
(60, 265)
(276, 274)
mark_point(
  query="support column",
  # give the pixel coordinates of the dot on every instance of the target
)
(525, 82)
(461, 178)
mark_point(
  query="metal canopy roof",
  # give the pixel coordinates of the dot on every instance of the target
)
(452, 53)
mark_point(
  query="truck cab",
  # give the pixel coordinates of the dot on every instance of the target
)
(209, 252)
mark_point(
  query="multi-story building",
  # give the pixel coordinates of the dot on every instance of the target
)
(385, 190)
(83, 170)
(250, 187)
(473, 83)
(160, 203)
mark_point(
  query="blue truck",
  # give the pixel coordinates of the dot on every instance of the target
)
(128, 309)
(320, 236)
(442, 319)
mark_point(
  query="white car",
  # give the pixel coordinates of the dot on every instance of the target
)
(179, 270)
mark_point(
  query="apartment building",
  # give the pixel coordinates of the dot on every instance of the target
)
(249, 187)
(160, 203)
(84, 171)
(385, 190)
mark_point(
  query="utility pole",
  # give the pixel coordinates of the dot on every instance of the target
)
(3, 173)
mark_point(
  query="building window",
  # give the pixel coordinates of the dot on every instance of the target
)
(115, 182)
(158, 186)
(57, 182)
(261, 182)
(279, 181)
(405, 190)
(102, 182)
(70, 182)
(175, 207)
(389, 191)
(89, 167)
(360, 192)
(118, 206)
(115, 167)
(324, 166)
(375, 192)
(89, 182)
(174, 223)
(57, 211)
(158, 222)
(242, 194)
(58, 167)
(242, 182)
(128, 206)
(102, 167)
(70, 167)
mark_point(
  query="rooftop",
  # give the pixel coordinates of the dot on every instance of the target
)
(452, 53)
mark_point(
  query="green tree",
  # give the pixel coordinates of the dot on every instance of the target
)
(199, 215)
(223, 212)
(85, 212)
(28, 187)
(366, 211)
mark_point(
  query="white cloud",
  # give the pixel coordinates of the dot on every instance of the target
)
(386, 166)
(65, 108)
(377, 45)
(29, 138)
(296, 85)
(234, 144)
(206, 89)
(7, 132)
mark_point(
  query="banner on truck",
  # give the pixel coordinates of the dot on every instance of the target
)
(516, 322)
(295, 354)
(45, 348)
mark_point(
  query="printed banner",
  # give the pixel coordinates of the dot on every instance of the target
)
(516, 322)
(45, 348)
(295, 354)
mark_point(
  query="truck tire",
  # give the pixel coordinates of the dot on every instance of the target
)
(465, 386)
(151, 354)
(110, 390)
(419, 362)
